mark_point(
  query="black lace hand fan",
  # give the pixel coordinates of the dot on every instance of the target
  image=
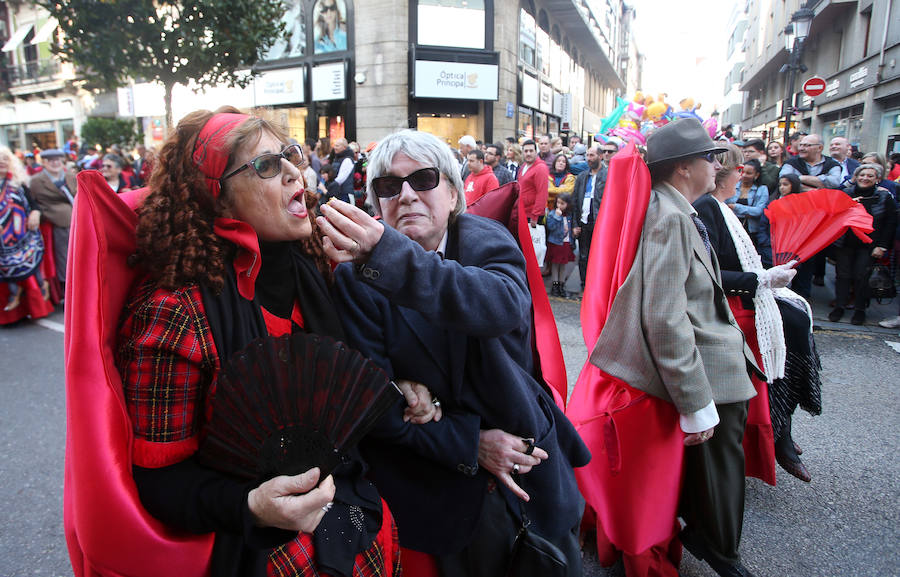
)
(286, 404)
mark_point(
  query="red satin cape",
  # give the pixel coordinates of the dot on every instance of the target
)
(633, 481)
(107, 530)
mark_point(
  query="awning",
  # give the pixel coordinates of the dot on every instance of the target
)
(46, 31)
(17, 38)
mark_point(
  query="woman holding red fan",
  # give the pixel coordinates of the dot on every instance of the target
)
(853, 257)
(227, 244)
(777, 323)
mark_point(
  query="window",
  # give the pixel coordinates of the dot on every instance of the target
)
(455, 23)
(527, 40)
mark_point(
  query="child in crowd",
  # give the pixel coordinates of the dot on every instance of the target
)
(560, 254)
(328, 187)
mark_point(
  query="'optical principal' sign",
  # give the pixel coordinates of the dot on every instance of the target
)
(459, 80)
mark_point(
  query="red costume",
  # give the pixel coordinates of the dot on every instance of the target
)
(533, 188)
(634, 482)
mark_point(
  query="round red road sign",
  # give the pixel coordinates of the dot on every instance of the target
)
(815, 86)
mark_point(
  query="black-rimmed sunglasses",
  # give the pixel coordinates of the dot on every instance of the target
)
(709, 157)
(269, 165)
(422, 179)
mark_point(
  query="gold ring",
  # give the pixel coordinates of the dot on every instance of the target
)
(355, 248)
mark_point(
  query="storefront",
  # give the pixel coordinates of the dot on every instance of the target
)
(453, 70)
(889, 134)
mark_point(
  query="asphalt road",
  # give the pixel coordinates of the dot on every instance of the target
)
(845, 523)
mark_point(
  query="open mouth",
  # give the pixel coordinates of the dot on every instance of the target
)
(297, 205)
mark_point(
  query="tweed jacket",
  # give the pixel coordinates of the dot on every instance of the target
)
(54, 205)
(670, 331)
(462, 326)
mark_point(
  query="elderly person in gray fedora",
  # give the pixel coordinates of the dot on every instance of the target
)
(54, 191)
(671, 334)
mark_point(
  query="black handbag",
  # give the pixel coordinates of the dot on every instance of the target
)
(534, 556)
(881, 285)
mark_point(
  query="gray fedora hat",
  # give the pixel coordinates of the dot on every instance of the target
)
(679, 139)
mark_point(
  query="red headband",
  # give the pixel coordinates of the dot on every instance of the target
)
(210, 152)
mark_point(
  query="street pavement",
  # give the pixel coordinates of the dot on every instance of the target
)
(845, 523)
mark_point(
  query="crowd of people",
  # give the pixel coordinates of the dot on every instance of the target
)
(41, 184)
(239, 233)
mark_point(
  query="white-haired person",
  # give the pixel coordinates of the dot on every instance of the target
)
(440, 297)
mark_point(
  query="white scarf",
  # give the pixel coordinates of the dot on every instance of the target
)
(769, 328)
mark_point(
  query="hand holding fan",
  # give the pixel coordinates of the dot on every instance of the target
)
(286, 404)
(803, 224)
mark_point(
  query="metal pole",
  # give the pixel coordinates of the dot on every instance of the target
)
(789, 104)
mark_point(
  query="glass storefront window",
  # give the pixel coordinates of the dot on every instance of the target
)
(292, 120)
(540, 123)
(526, 123)
(455, 23)
(527, 42)
(448, 127)
(553, 126)
(293, 43)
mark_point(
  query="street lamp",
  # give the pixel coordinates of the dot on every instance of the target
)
(795, 34)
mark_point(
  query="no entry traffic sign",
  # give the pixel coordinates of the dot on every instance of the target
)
(813, 87)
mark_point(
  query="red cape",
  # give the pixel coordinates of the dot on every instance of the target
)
(107, 530)
(502, 205)
(633, 482)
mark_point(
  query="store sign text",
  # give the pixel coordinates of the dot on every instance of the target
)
(460, 80)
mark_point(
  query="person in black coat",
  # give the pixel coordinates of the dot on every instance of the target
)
(441, 298)
(853, 257)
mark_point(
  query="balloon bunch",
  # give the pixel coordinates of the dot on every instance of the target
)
(634, 120)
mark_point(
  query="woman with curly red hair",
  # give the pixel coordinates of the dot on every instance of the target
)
(230, 255)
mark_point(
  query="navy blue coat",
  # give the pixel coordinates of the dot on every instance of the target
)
(462, 326)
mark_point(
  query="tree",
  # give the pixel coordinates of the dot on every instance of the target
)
(206, 41)
(109, 131)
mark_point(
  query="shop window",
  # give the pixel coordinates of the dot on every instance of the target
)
(525, 126)
(455, 23)
(527, 40)
(448, 127)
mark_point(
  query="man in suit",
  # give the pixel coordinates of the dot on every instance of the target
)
(441, 298)
(586, 199)
(671, 334)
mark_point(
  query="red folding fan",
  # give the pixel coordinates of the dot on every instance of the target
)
(803, 224)
(286, 404)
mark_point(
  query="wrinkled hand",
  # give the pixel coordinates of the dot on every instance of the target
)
(349, 234)
(878, 252)
(34, 220)
(778, 276)
(291, 503)
(421, 407)
(698, 438)
(499, 451)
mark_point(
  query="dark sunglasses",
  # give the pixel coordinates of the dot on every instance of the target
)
(709, 157)
(423, 179)
(329, 8)
(269, 165)
(609, 151)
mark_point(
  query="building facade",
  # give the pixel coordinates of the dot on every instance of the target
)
(489, 68)
(853, 45)
(731, 113)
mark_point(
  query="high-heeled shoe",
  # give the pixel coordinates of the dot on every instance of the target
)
(13, 302)
(793, 466)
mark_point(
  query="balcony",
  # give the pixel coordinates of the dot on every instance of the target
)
(31, 72)
(36, 76)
